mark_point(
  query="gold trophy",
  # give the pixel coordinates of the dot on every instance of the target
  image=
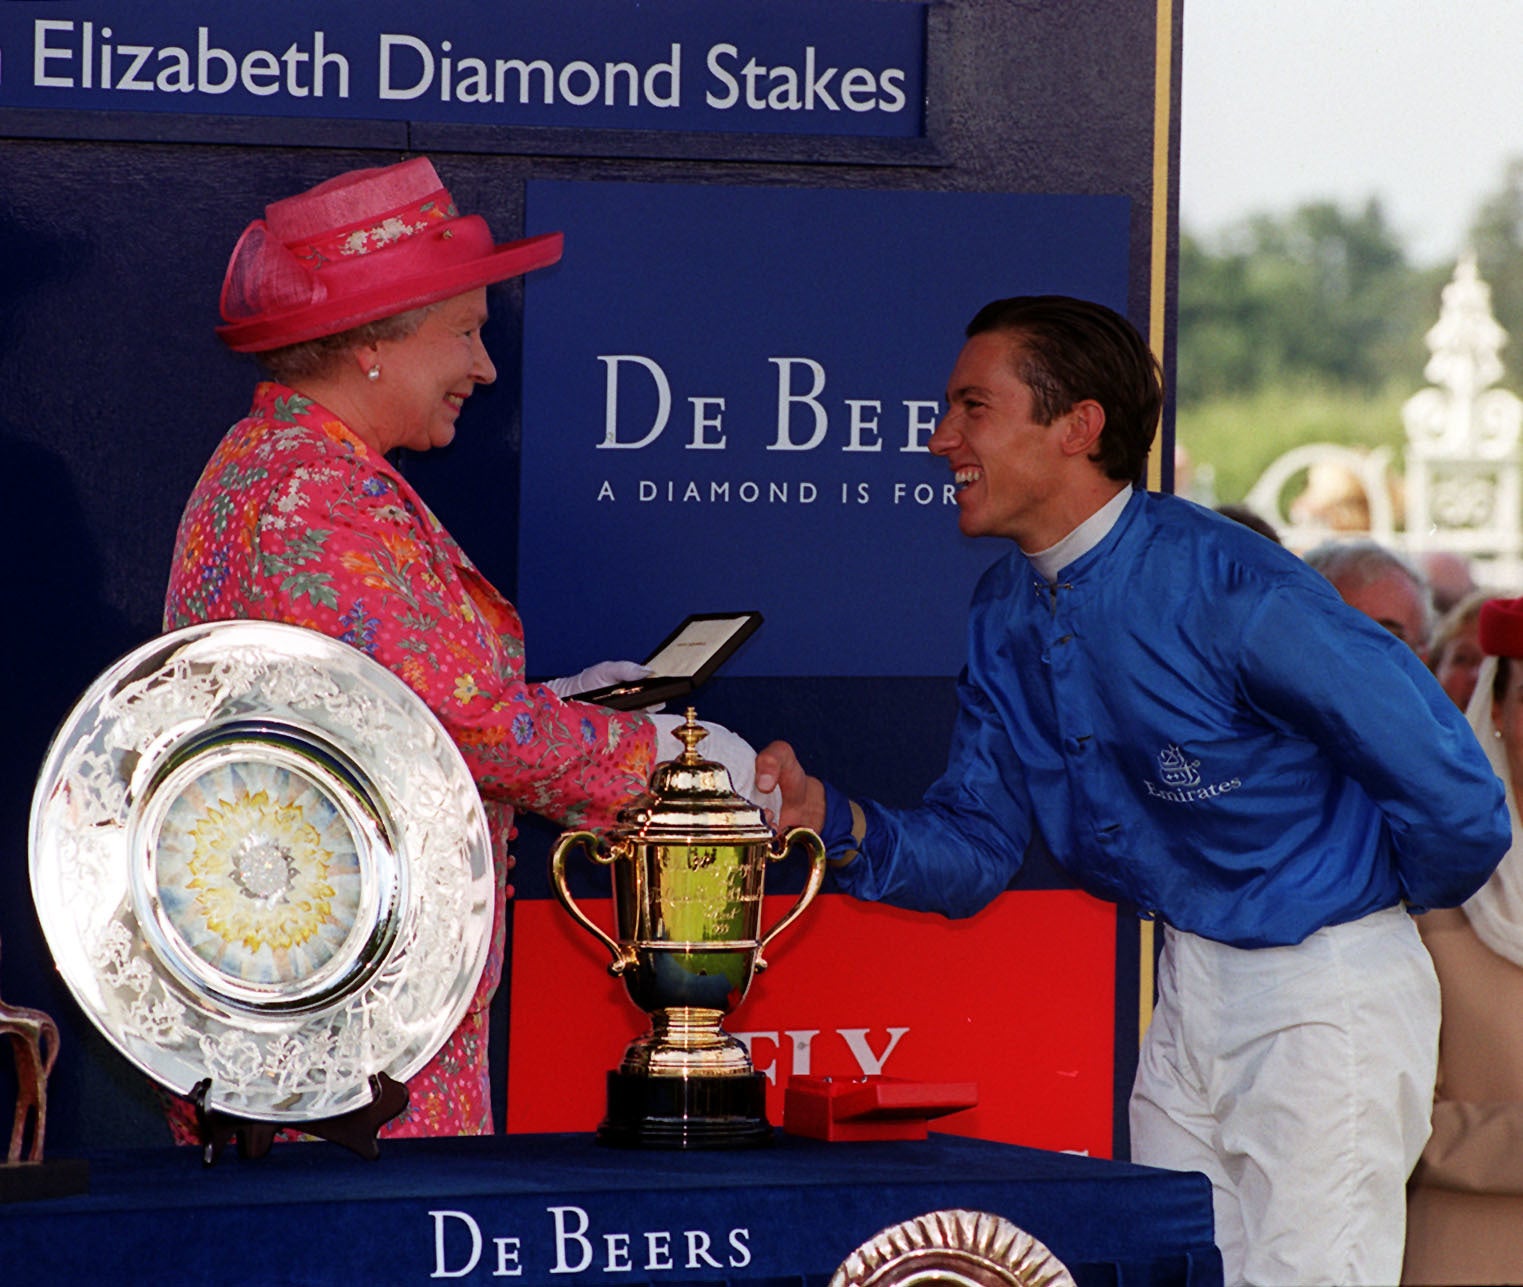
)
(688, 859)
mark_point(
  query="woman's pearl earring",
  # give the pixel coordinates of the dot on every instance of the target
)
(374, 373)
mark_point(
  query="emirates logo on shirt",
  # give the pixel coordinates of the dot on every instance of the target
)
(1181, 783)
(1177, 769)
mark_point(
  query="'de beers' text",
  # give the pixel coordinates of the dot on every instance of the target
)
(570, 1245)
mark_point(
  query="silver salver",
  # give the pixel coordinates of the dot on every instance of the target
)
(258, 858)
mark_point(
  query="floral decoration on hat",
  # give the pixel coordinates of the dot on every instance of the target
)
(362, 246)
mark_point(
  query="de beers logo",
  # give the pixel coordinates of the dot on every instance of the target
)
(1180, 780)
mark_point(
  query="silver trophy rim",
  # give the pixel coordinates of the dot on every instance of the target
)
(171, 948)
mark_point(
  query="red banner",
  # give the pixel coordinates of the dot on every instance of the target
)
(1020, 999)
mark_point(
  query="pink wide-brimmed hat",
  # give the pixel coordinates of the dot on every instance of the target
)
(360, 247)
(1500, 628)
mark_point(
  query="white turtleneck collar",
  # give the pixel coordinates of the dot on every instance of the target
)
(1082, 539)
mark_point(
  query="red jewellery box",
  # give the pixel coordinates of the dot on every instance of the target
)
(870, 1108)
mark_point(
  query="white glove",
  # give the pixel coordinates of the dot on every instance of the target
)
(723, 747)
(599, 676)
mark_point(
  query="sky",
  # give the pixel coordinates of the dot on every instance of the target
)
(1417, 102)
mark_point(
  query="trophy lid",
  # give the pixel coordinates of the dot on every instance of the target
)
(693, 798)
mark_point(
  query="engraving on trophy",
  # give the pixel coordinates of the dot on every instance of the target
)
(687, 862)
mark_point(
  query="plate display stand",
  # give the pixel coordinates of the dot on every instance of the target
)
(356, 1129)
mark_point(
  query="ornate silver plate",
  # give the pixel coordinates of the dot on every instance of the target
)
(259, 858)
(953, 1248)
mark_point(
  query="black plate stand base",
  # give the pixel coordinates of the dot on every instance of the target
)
(356, 1130)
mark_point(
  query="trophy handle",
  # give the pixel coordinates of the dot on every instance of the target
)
(780, 847)
(622, 959)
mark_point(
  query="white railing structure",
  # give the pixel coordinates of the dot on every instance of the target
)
(1347, 492)
(1463, 459)
(1463, 485)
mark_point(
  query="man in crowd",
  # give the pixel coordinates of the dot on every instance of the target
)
(1381, 584)
(1450, 578)
(1201, 730)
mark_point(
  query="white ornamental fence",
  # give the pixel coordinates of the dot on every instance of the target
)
(1460, 487)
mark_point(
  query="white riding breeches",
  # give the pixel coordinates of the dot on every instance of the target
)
(1300, 1080)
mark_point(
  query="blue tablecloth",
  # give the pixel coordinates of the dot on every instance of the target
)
(559, 1208)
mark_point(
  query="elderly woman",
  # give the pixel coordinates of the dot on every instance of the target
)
(1454, 654)
(1465, 1205)
(365, 298)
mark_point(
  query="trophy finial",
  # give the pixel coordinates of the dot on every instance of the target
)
(690, 734)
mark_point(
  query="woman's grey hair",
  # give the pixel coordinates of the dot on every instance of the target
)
(316, 357)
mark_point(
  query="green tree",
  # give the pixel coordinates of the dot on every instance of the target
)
(1496, 237)
(1322, 297)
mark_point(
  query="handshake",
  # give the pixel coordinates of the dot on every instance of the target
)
(763, 779)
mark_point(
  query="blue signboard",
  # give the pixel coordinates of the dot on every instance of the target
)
(728, 394)
(823, 67)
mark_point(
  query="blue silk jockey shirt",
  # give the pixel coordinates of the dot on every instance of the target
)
(1199, 728)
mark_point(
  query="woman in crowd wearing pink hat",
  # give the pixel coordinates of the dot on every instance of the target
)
(1465, 1208)
(365, 298)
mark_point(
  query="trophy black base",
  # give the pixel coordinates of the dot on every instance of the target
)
(29, 1181)
(685, 1112)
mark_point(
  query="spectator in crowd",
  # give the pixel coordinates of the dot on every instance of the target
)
(1449, 577)
(1454, 653)
(1336, 499)
(1250, 518)
(1466, 1199)
(1381, 584)
(1201, 730)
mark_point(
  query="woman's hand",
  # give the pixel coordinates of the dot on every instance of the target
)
(599, 676)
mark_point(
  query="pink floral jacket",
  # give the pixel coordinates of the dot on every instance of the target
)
(295, 519)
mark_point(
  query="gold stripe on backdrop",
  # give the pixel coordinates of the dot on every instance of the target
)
(1163, 101)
